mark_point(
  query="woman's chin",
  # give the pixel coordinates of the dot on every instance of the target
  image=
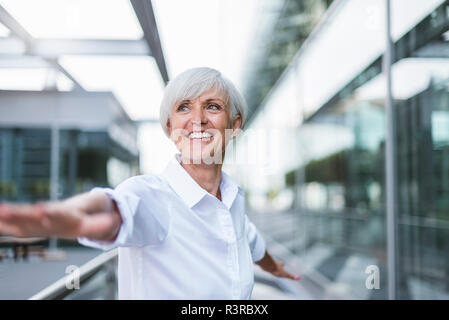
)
(202, 155)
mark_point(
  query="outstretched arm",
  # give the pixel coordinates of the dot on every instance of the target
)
(276, 268)
(92, 215)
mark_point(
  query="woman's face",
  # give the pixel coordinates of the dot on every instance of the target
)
(201, 128)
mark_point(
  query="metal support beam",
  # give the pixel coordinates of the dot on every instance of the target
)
(16, 29)
(145, 15)
(21, 43)
(146, 121)
(23, 62)
(53, 48)
(61, 69)
(56, 47)
(390, 162)
(36, 62)
(57, 66)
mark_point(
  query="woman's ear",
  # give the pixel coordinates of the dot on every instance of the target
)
(236, 125)
(168, 125)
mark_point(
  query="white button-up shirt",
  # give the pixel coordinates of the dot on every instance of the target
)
(177, 241)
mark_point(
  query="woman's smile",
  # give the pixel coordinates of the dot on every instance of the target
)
(200, 135)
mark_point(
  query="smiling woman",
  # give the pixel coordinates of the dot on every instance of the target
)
(204, 138)
(192, 84)
(182, 234)
(201, 111)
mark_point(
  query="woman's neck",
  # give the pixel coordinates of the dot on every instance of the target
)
(208, 176)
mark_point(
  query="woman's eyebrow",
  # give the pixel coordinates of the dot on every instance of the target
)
(207, 100)
(214, 99)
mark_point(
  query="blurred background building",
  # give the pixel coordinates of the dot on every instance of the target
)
(95, 141)
(79, 101)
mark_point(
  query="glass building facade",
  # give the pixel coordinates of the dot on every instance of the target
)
(312, 158)
(86, 159)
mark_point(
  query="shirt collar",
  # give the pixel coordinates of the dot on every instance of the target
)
(190, 191)
(229, 190)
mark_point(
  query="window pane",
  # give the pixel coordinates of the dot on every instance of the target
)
(422, 119)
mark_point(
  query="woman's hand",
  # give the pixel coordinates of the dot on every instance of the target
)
(276, 268)
(94, 216)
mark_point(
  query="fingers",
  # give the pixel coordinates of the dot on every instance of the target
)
(5, 216)
(56, 218)
(291, 276)
(7, 225)
(284, 274)
(16, 219)
(28, 220)
(281, 272)
(9, 229)
(17, 212)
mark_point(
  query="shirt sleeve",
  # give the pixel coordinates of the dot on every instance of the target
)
(145, 215)
(255, 240)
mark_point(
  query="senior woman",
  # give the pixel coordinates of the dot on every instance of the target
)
(182, 234)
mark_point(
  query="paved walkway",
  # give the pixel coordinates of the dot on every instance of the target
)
(22, 279)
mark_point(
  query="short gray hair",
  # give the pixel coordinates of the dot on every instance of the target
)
(194, 82)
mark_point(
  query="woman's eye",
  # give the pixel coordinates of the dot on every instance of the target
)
(182, 107)
(214, 107)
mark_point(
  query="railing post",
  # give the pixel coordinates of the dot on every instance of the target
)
(54, 168)
(390, 161)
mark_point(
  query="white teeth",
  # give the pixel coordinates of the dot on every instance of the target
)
(200, 135)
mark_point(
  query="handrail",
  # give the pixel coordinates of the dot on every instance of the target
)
(4, 239)
(59, 290)
(306, 269)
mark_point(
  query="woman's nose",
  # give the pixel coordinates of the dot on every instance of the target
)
(198, 117)
(196, 124)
